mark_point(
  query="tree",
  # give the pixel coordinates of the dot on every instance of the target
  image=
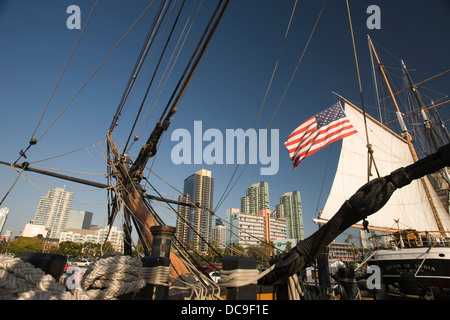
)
(25, 244)
(214, 253)
(69, 248)
(262, 252)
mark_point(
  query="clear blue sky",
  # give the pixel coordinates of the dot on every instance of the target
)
(226, 92)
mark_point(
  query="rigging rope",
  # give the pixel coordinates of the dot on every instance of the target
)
(370, 159)
(279, 103)
(138, 65)
(95, 71)
(223, 197)
(65, 66)
(154, 74)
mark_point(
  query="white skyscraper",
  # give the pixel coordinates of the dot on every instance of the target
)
(53, 211)
(3, 215)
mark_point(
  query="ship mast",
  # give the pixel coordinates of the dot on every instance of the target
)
(407, 137)
(428, 128)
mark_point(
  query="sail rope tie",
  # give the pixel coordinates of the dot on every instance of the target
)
(241, 277)
(238, 277)
(157, 276)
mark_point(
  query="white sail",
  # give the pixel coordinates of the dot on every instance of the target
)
(409, 205)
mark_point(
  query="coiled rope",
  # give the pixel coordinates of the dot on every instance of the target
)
(106, 279)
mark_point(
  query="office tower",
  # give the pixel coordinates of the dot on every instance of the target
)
(53, 211)
(257, 198)
(3, 215)
(248, 229)
(219, 235)
(197, 228)
(79, 219)
(233, 225)
(183, 219)
(290, 207)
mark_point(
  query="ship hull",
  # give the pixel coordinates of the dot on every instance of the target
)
(431, 266)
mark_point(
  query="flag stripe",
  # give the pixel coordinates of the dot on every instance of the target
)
(317, 132)
(321, 144)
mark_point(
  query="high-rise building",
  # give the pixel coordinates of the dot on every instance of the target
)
(183, 219)
(79, 219)
(53, 211)
(233, 226)
(248, 229)
(3, 215)
(290, 207)
(257, 198)
(196, 226)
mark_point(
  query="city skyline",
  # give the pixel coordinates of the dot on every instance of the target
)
(230, 90)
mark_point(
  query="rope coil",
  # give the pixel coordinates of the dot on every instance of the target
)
(106, 279)
(158, 276)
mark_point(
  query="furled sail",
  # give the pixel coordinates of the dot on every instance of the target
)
(409, 205)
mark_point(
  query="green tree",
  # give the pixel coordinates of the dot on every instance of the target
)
(69, 248)
(25, 244)
(108, 248)
(263, 252)
(214, 254)
(139, 251)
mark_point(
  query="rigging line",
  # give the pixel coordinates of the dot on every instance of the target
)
(244, 232)
(265, 96)
(154, 74)
(64, 154)
(96, 70)
(375, 83)
(62, 170)
(187, 222)
(285, 91)
(149, 149)
(197, 57)
(12, 186)
(58, 186)
(370, 159)
(419, 83)
(65, 66)
(138, 65)
(324, 176)
(147, 114)
(249, 234)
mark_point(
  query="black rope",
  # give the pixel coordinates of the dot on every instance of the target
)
(154, 75)
(370, 198)
(148, 43)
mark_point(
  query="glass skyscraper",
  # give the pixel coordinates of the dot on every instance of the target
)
(257, 198)
(194, 226)
(53, 211)
(290, 207)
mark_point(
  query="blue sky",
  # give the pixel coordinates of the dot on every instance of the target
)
(226, 92)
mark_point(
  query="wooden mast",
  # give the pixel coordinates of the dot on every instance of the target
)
(408, 139)
(132, 197)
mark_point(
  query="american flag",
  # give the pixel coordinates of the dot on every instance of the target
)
(317, 132)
